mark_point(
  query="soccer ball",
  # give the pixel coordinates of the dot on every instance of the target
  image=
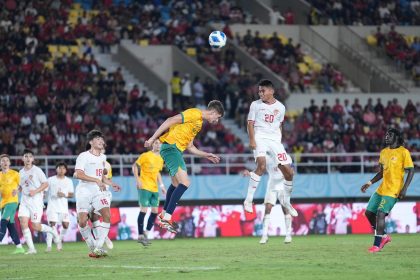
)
(217, 39)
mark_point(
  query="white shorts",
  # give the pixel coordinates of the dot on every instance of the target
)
(31, 211)
(275, 189)
(101, 201)
(272, 148)
(84, 200)
(57, 217)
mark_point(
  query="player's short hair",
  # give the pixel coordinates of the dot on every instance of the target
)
(217, 106)
(93, 134)
(61, 163)
(4, 156)
(27, 151)
(398, 135)
(266, 83)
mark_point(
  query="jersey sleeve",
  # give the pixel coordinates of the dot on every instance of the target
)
(80, 162)
(191, 115)
(70, 185)
(252, 112)
(408, 162)
(381, 158)
(41, 176)
(282, 113)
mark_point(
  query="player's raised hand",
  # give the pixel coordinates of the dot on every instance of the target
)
(149, 143)
(213, 158)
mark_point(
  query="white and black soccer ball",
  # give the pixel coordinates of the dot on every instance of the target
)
(217, 39)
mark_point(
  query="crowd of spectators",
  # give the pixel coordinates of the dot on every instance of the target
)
(402, 49)
(364, 12)
(50, 109)
(49, 103)
(288, 60)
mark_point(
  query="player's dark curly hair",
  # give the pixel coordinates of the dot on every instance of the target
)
(398, 135)
(217, 106)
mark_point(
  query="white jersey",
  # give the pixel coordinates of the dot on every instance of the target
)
(93, 166)
(55, 185)
(31, 180)
(267, 119)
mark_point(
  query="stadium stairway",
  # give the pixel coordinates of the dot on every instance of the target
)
(236, 130)
(106, 60)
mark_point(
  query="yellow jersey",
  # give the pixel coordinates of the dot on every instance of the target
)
(150, 166)
(182, 134)
(176, 85)
(108, 170)
(9, 182)
(394, 162)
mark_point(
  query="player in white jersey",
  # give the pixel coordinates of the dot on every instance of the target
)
(89, 170)
(265, 118)
(60, 189)
(94, 214)
(276, 191)
(33, 183)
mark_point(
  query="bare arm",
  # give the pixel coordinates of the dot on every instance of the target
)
(251, 135)
(39, 190)
(109, 182)
(211, 157)
(136, 168)
(160, 182)
(162, 128)
(375, 179)
(406, 183)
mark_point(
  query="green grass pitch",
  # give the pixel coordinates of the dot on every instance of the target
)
(308, 257)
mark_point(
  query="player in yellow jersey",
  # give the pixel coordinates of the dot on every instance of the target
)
(182, 130)
(394, 161)
(9, 188)
(149, 164)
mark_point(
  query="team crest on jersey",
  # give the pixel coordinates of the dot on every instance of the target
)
(276, 112)
(394, 159)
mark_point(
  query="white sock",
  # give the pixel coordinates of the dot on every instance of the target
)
(19, 246)
(266, 223)
(47, 229)
(49, 240)
(103, 233)
(254, 180)
(288, 222)
(288, 187)
(28, 238)
(167, 216)
(63, 233)
(87, 236)
(95, 228)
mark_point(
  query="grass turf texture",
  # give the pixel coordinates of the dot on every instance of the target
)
(310, 257)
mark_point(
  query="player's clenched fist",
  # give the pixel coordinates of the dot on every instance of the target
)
(148, 143)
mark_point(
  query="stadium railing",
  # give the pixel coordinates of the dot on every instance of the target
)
(323, 163)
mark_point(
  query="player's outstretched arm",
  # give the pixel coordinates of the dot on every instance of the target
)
(375, 179)
(410, 174)
(211, 157)
(162, 128)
